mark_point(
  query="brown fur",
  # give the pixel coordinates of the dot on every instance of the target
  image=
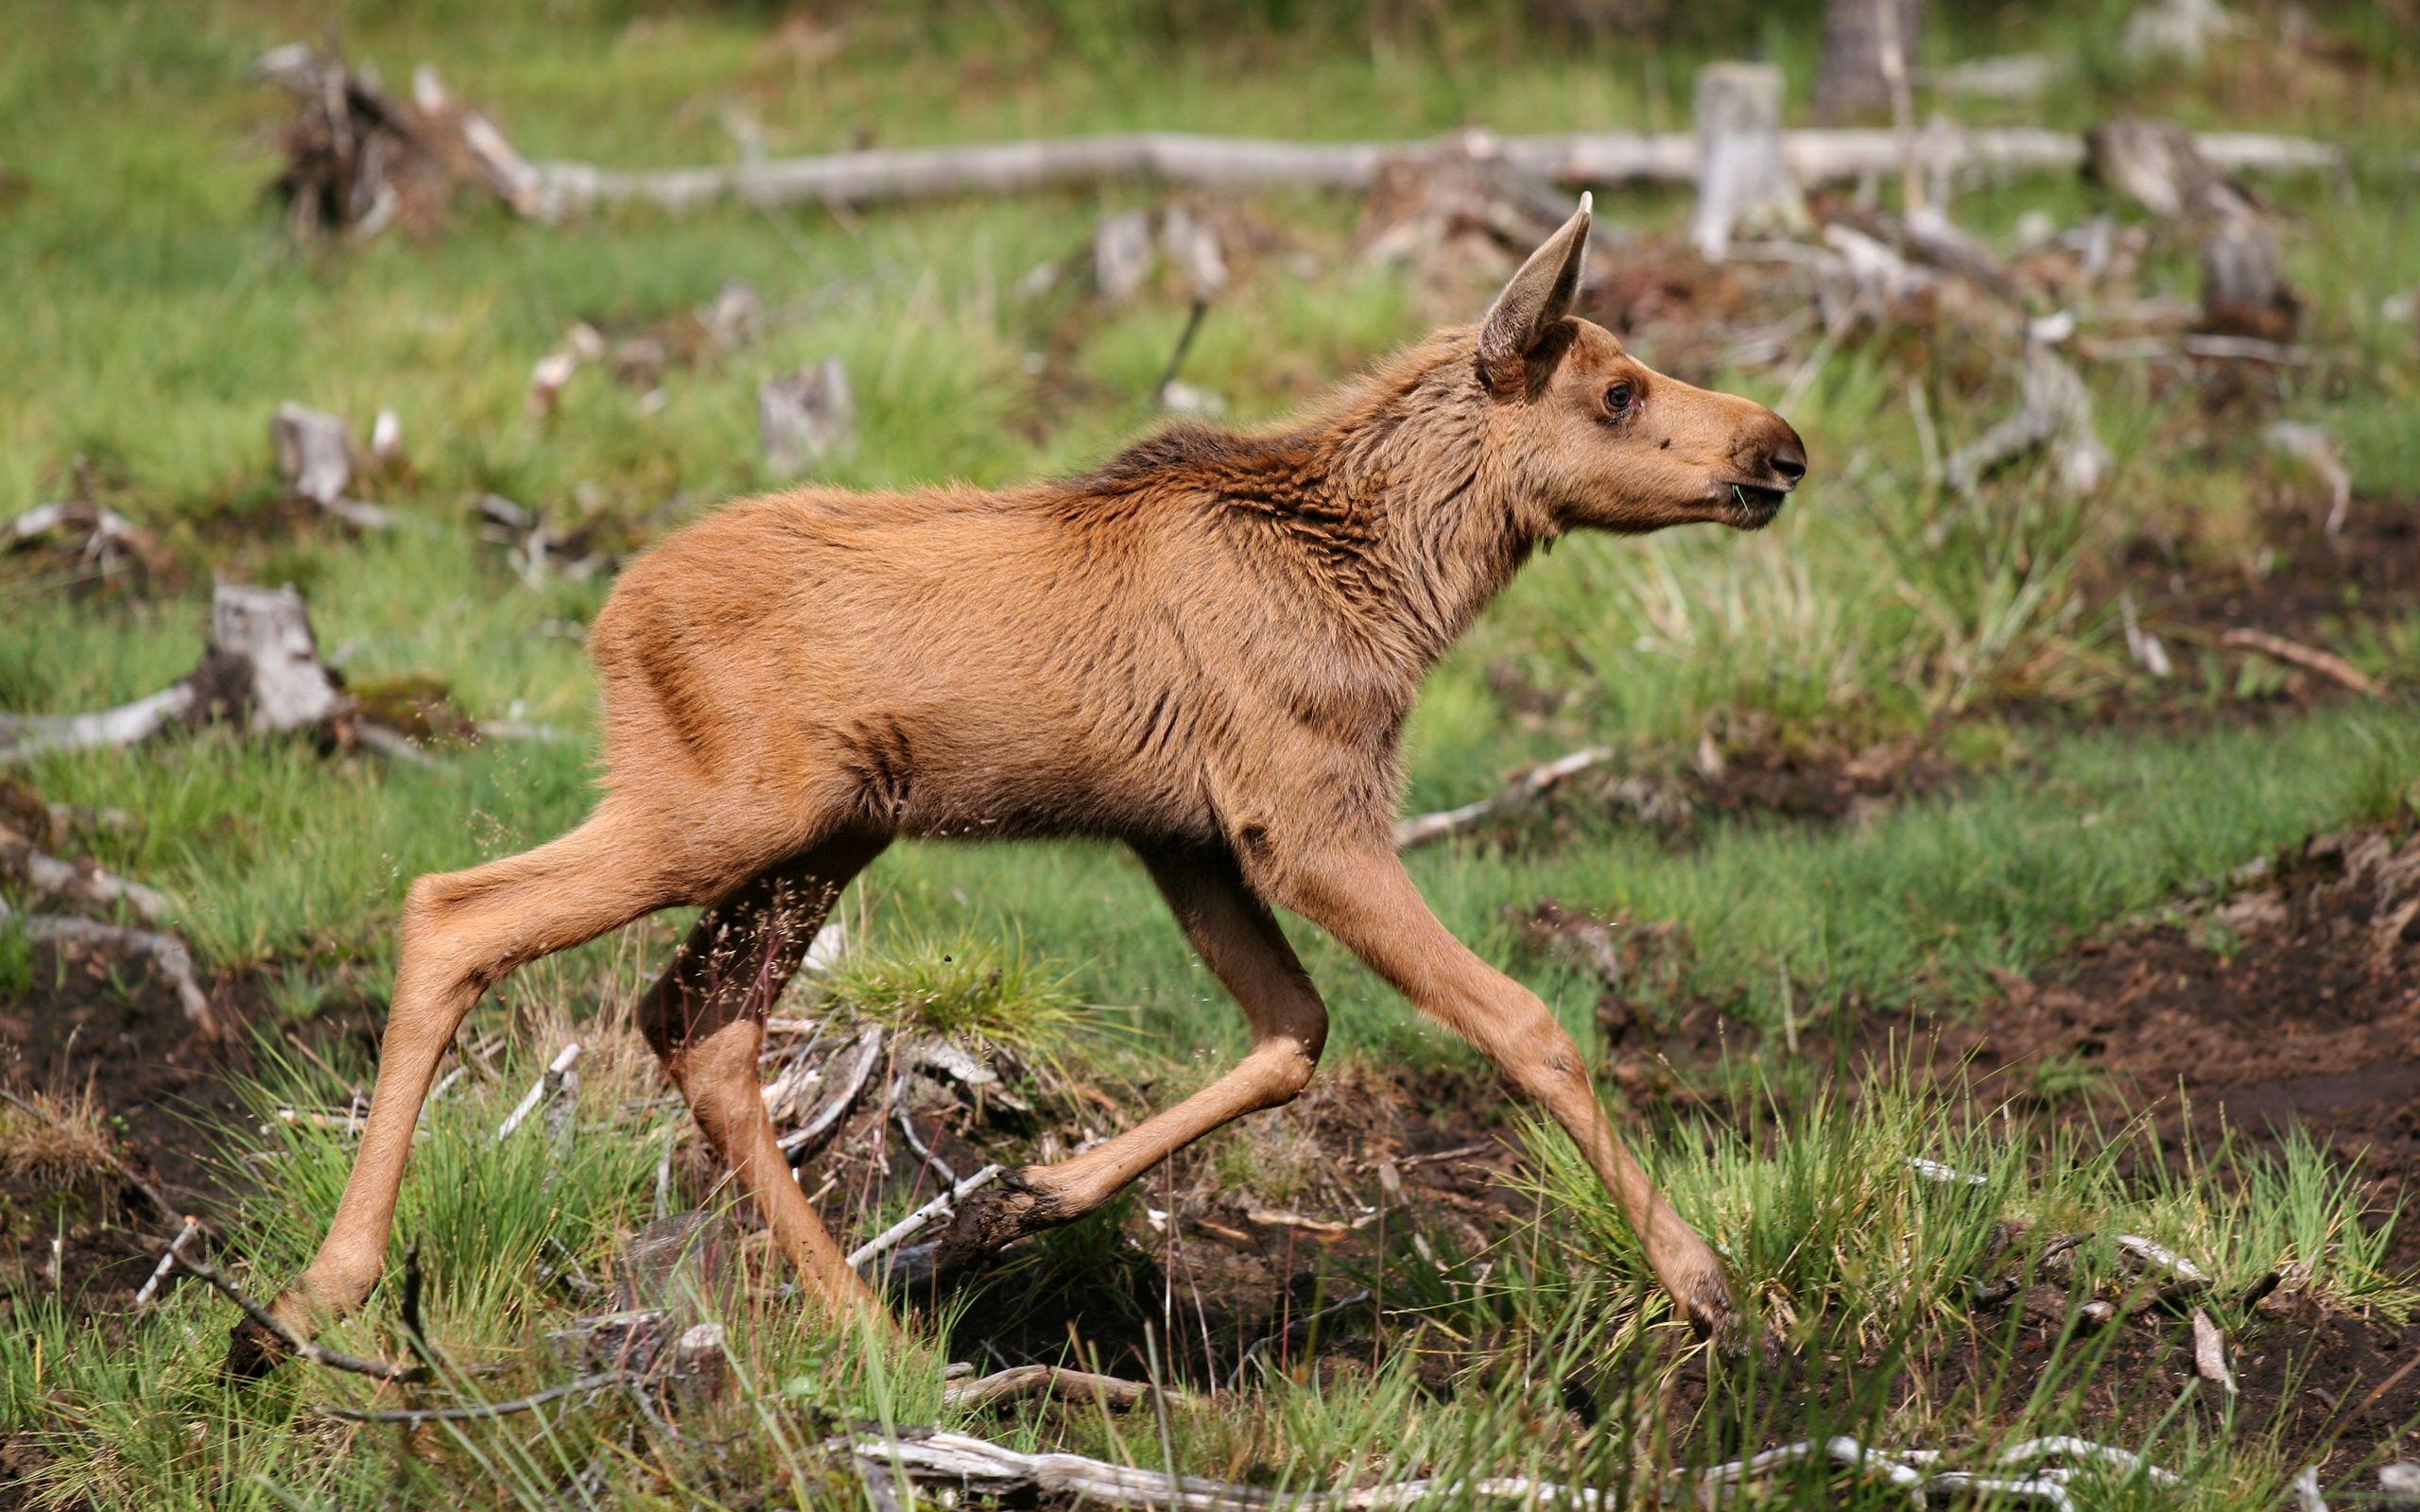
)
(1206, 648)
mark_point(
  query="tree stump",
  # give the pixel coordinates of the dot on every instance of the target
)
(262, 668)
(1865, 43)
(1744, 184)
(2160, 167)
(2244, 292)
(805, 416)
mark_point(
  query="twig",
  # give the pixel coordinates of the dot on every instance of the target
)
(420, 1417)
(306, 1349)
(1439, 1157)
(915, 1141)
(48, 873)
(547, 1085)
(1424, 828)
(1235, 1377)
(1047, 1381)
(167, 1264)
(2311, 659)
(125, 724)
(916, 1222)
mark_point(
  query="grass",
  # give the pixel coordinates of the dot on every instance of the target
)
(158, 316)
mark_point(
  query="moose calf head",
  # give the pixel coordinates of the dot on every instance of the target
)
(1604, 443)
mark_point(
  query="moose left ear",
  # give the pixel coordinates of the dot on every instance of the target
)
(1539, 295)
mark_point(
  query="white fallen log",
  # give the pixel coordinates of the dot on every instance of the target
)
(878, 176)
(1020, 1382)
(1422, 828)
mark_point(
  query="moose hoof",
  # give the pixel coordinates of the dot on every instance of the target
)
(994, 1218)
(253, 1352)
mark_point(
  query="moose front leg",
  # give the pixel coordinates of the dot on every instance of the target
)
(1364, 898)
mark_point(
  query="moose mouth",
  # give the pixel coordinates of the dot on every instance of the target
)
(1750, 505)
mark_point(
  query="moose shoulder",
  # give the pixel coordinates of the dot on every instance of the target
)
(1206, 648)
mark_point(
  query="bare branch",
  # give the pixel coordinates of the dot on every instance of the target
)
(1421, 828)
(2311, 659)
(916, 1222)
(167, 954)
(1047, 1380)
(305, 1348)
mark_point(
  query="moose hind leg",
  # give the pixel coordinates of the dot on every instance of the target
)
(462, 931)
(705, 1019)
(1239, 940)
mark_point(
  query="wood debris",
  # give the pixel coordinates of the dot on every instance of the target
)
(1745, 186)
(2054, 414)
(805, 418)
(2310, 657)
(315, 457)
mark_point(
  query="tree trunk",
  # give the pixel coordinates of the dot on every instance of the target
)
(1866, 43)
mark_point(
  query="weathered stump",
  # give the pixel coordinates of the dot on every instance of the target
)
(1869, 48)
(1743, 182)
(805, 416)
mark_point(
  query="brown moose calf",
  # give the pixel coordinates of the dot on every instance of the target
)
(1206, 649)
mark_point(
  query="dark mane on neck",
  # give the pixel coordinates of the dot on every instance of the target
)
(1194, 455)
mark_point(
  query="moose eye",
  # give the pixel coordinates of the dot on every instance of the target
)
(1619, 398)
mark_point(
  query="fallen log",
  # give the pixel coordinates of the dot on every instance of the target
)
(895, 175)
(1020, 1382)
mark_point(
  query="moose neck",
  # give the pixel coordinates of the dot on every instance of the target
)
(1406, 459)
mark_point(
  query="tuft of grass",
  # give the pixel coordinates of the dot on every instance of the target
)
(63, 1140)
(965, 987)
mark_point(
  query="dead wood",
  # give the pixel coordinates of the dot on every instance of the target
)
(2165, 168)
(2317, 449)
(1027, 1381)
(2311, 659)
(805, 416)
(976, 1465)
(923, 1217)
(1422, 827)
(315, 457)
(2175, 31)
(1863, 66)
(2055, 413)
(2244, 292)
(103, 541)
(47, 875)
(801, 1142)
(294, 1343)
(167, 954)
(1745, 186)
(2210, 1354)
(556, 1078)
(855, 179)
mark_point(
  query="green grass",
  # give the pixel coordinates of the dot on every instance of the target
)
(158, 315)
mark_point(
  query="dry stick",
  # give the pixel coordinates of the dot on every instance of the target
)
(547, 1085)
(48, 873)
(916, 1222)
(1421, 828)
(127, 725)
(1047, 1380)
(857, 178)
(1235, 1378)
(2311, 659)
(420, 1417)
(168, 1262)
(908, 1128)
(306, 1349)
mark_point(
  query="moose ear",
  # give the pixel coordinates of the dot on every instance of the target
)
(1539, 295)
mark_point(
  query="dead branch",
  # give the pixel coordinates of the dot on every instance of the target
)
(801, 1142)
(305, 1348)
(167, 953)
(2055, 413)
(2311, 659)
(110, 539)
(48, 875)
(422, 1417)
(1530, 785)
(127, 725)
(168, 1262)
(855, 180)
(1045, 1381)
(558, 1071)
(916, 1222)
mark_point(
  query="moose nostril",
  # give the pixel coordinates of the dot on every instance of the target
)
(1790, 463)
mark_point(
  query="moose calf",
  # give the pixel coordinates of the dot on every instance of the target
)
(1207, 649)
